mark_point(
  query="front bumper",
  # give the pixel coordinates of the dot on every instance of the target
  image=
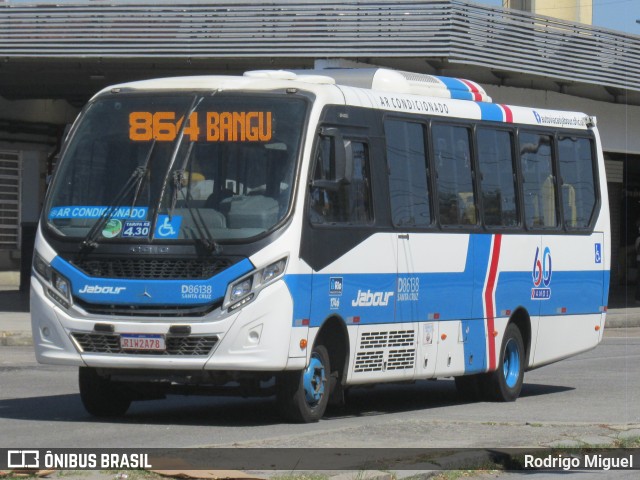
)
(257, 337)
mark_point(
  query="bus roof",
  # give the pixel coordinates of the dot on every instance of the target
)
(406, 91)
(397, 81)
(380, 79)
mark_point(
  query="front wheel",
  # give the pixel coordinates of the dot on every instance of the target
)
(303, 396)
(505, 384)
(100, 396)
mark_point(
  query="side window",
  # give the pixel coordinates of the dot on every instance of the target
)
(335, 200)
(408, 181)
(539, 186)
(577, 181)
(497, 177)
(452, 160)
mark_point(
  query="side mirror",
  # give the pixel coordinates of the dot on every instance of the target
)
(341, 159)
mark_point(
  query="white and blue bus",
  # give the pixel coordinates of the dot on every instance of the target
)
(300, 233)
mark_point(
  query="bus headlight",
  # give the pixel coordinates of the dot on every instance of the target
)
(56, 286)
(273, 271)
(240, 289)
(243, 291)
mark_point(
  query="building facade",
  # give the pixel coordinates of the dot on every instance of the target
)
(54, 56)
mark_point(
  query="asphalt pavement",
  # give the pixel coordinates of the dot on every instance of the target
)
(15, 320)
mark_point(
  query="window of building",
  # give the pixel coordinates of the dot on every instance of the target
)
(577, 181)
(408, 176)
(497, 177)
(452, 158)
(539, 184)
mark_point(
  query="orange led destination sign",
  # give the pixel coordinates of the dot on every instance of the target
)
(218, 126)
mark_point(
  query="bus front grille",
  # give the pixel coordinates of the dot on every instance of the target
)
(152, 269)
(95, 342)
(147, 310)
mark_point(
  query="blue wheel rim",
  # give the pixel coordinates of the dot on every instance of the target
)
(314, 380)
(511, 364)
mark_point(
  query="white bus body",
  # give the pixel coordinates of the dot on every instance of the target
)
(326, 229)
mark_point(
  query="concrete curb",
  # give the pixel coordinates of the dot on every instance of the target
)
(623, 318)
(15, 339)
(494, 458)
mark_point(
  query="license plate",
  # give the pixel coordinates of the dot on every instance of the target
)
(146, 342)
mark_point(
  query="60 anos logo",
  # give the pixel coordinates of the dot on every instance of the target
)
(541, 274)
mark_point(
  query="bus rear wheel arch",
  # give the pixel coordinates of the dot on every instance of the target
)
(505, 383)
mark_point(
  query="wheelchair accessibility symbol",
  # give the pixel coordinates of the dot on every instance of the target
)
(168, 228)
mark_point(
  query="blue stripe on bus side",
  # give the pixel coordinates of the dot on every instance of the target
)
(474, 331)
(490, 111)
(514, 290)
(457, 88)
(300, 288)
(448, 295)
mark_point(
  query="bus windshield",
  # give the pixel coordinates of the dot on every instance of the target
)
(178, 167)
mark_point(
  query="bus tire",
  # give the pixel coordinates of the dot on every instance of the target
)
(100, 396)
(303, 396)
(505, 383)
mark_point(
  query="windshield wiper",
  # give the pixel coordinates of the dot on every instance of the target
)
(204, 235)
(135, 180)
(180, 135)
(89, 242)
(146, 168)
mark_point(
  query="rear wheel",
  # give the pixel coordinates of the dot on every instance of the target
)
(100, 396)
(303, 396)
(505, 384)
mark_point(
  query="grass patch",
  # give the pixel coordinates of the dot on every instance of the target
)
(301, 476)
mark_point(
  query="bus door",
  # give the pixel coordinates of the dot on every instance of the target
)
(354, 264)
(435, 290)
(412, 217)
(454, 267)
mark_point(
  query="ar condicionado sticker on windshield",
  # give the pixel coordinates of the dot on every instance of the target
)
(214, 126)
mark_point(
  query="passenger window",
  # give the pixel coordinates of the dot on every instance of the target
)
(497, 177)
(577, 181)
(539, 185)
(341, 201)
(408, 179)
(452, 156)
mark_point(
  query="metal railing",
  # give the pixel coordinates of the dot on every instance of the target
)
(453, 30)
